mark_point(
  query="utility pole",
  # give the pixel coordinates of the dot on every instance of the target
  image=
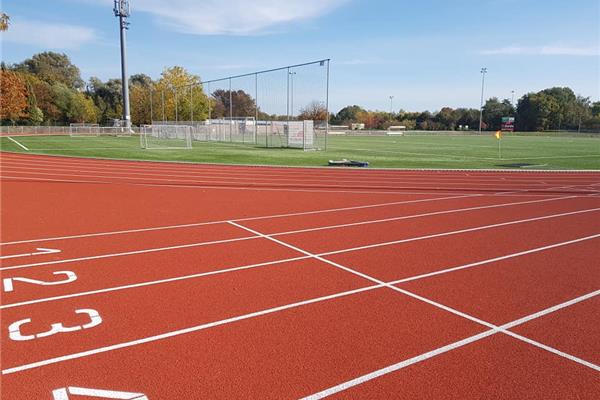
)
(483, 72)
(121, 11)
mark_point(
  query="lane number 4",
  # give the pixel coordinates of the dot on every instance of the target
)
(63, 394)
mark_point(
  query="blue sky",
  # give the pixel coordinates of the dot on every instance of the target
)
(425, 53)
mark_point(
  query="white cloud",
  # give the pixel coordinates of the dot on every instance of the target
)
(550, 50)
(230, 17)
(47, 35)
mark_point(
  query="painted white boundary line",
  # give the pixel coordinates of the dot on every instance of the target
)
(422, 357)
(17, 143)
(191, 245)
(269, 263)
(454, 311)
(194, 224)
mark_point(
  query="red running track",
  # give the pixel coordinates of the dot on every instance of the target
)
(179, 281)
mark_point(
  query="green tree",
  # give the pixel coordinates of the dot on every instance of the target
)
(243, 105)
(52, 68)
(348, 115)
(494, 110)
(174, 87)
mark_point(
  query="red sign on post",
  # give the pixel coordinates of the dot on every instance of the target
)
(508, 124)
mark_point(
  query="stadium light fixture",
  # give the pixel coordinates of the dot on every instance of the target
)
(122, 11)
(483, 72)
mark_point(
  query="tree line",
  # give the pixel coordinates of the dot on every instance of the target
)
(47, 89)
(557, 108)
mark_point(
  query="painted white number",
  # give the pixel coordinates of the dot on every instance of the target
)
(40, 251)
(9, 282)
(14, 330)
(63, 394)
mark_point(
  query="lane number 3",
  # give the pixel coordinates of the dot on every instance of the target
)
(14, 329)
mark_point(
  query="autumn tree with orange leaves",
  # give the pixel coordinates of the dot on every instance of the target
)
(13, 97)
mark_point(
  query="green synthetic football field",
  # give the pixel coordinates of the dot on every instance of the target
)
(528, 151)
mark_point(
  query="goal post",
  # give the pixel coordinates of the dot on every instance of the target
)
(166, 137)
(84, 130)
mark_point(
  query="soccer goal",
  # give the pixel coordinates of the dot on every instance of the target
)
(166, 137)
(84, 130)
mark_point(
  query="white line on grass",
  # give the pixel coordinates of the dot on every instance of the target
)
(17, 143)
(191, 245)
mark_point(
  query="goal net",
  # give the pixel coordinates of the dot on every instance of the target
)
(84, 130)
(166, 137)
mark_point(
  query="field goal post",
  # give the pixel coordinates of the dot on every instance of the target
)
(156, 137)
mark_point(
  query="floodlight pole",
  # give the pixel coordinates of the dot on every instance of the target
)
(483, 72)
(512, 101)
(121, 10)
(391, 105)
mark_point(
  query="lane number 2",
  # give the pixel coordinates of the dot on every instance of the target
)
(8, 283)
(14, 329)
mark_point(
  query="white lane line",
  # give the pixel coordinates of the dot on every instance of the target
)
(479, 228)
(271, 311)
(40, 251)
(17, 143)
(415, 216)
(356, 180)
(283, 261)
(413, 295)
(422, 357)
(495, 259)
(121, 178)
(256, 183)
(190, 245)
(128, 253)
(151, 283)
(273, 171)
(195, 224)
(389, 192)
(183, 331)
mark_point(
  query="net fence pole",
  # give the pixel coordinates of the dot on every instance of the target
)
(230, 110)
(209, 103)
(327, 106)
(162, 96)
(151, 106)
(255, 108)
(176, 105)
(287, 105)
(191, 104)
